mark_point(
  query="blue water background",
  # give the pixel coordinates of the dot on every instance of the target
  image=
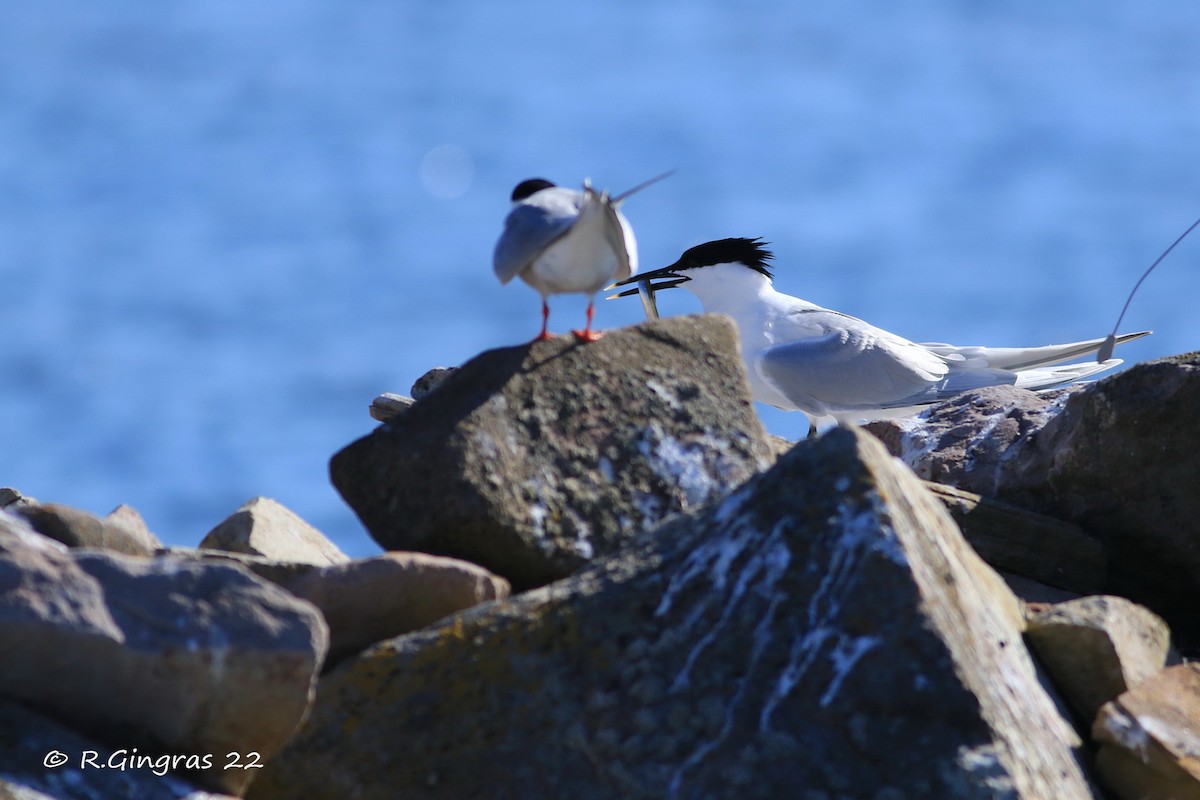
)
(226, 226)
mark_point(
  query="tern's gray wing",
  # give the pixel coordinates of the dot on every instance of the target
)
(533, 226)
(849, 367)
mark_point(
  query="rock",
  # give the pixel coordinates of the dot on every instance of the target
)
(1120, 461)
(10, 496)
(1149, 740)
(377, 598)
(430, 381)
(1034, 593)
(76, 528)
(278, 572)
(133, 521)
(31, 747)
(534, 459)
(387, 406)
(169, 656)
(1097, 647)
(367, 600)
(1017, 541)
(263, 527)
(824, 629)
(1117, 459)
(18, 527)
(962, 441)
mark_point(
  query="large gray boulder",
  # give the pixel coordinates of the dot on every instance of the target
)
(824, 629)
(41, 759)
(1097, 647)
(172, 656)
(531, 460)
(964, 441)
(1120, 460)
(1117, 457)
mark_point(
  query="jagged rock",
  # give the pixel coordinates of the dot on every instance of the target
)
(1118, 459)
(10, 497)
(531, 460)
(372, 599)
(76, 528)
(130, 517)
(1149, 740)
(1097, 647)
(170, 656)
(263, 527)
(430, 381)
(31, 747)
(1017, 541)
(389, 405)
(963, 441)
(825, 629)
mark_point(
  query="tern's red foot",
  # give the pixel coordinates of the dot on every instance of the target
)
(588, 335)
(545, 335)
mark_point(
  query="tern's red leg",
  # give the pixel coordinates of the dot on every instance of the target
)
(587, 334)
(545, 334)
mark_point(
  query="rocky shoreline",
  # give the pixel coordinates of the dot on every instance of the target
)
(604, 579)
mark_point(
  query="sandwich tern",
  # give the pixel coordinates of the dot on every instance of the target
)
(564, 241)
(802, 357)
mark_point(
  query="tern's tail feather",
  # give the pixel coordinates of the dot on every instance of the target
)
(1024, 358)
(962, 379)
(1050, 377)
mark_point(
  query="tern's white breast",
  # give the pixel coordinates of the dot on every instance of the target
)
(581, 261)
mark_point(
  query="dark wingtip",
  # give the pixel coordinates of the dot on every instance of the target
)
(530, 187)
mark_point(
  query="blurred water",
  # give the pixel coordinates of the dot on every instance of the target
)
(225, 227)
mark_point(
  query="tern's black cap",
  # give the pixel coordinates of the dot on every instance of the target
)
(751, 252)
(530, 186)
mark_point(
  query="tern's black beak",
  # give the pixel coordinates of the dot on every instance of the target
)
(665, 278)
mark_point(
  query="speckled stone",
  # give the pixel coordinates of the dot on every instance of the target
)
(825, 628)
(1120, 460)
(1117, 457)
(531, 460)
(172, 656)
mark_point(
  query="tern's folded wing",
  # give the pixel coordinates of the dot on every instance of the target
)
(848, 369)
(528, 230)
